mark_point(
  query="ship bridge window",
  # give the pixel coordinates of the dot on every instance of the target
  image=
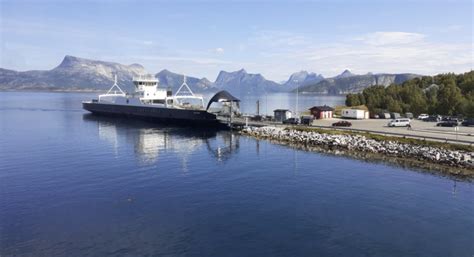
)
(158, 101)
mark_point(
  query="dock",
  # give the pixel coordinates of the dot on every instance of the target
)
(238, 123)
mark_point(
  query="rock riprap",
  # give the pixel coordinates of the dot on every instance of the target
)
(362, 143)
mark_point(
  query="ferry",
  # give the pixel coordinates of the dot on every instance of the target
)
(151, 102)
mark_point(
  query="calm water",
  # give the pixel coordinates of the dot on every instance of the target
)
(72, 184)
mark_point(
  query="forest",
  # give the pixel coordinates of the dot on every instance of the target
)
(444, 94)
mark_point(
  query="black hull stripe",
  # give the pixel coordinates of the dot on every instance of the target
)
(178, 116)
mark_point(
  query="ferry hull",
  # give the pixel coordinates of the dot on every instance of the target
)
(163, 115)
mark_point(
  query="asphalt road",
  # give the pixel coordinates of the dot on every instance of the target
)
(418, 128)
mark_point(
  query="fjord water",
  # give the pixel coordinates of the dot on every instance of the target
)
(72, 184)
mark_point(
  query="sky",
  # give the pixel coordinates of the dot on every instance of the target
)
(274, 38)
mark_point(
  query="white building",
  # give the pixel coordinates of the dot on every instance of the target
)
(354, 114)
(281, 114)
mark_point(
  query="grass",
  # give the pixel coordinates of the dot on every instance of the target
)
(377, 137)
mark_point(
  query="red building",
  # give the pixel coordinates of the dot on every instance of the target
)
(321, 112)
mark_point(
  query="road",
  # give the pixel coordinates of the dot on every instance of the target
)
(419, 128)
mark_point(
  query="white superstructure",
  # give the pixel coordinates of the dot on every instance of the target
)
(147, 92)
(146, 87)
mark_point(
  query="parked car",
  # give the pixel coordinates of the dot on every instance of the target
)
(374, 116)
(395, 115)
(423, 116)
(307, 120)
(409, 115)
(384, 115)
(468, 122)
(292, 121)
(433, 118)
(399, 123)
(449, 118)
(457, 119)
(342, 123)
(449, 123)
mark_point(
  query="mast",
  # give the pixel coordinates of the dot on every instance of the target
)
(115, 85)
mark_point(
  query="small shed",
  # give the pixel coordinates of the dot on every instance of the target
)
(281, 114)
(321, 112)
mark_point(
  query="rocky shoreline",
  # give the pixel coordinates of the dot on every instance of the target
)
(456, 159)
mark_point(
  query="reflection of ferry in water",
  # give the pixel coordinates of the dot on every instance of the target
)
(157, 104)
(150, 140)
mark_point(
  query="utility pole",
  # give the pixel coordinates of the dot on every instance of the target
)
(258, 107)
(297, 94)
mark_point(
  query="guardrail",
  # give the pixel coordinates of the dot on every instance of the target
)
(447, 140)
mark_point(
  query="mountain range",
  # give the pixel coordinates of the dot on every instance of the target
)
(72, 74)
(302, 78)
(173, 80)
(347, 82)
(80, 74)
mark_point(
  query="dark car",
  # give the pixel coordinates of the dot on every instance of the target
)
(307, 120)
(449, 118)
(292, 121)
(342, 123)
(449, 123)
(468, 122)
(433, 118)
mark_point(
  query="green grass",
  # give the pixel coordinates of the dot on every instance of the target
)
(378, 137)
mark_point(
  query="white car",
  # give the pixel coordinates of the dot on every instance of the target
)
(399, 123)
(423, 116)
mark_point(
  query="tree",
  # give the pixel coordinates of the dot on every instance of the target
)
(454, 95)
(449, 97)
(393, 105)
(352, 100)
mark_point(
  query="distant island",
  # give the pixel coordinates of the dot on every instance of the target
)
(80, 74)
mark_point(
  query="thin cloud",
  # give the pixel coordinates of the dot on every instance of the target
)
(219, 50)
(380, 51)
(391, 38)
(196, 60)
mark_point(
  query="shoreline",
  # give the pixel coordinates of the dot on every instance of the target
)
(456, 163)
